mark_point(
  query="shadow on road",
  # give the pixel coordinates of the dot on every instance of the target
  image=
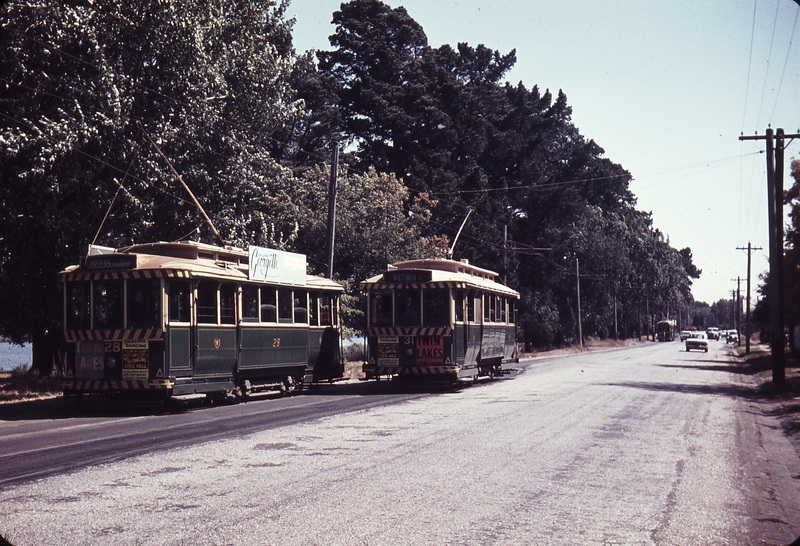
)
(102, 406)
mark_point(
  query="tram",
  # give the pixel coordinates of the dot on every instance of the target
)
(170, 319)
(439, 319)
(666, 330)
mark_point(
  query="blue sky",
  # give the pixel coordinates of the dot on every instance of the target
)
(666, 88)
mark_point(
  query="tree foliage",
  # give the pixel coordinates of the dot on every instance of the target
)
(431, 135)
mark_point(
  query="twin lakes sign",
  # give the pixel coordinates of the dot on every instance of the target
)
(268, 265)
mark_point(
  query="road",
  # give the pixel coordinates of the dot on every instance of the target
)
(646, 445)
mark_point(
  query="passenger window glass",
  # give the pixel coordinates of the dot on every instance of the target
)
(78, 306)
(300, 307)
(144, 303)
(250, 304)
(381, 311)
(471, 306)
(179, 301)
(284, 305)
(107, 304)
(459, 306)
(313, 313)
(408, 308)
(227, 303)
(207, 302)
(436, 310)
(269, 310)
(326, 304)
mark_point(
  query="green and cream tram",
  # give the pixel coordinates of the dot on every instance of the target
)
(439, 318)
(186, 318)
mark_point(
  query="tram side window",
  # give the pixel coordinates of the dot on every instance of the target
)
(499, 313)
(459, 306)
(227, 306)
(144, 302)
(284, 305)
(408, 308)
(488, 308)
(471, 306)
(503, 306)
(381, 303)
(313, 309)
(207, 302)
(512, 311)
(108, 304)
(249, 304)
(326, 305)
(301, 307)
(78, 311)
(179, 301)
(269, 309)
(436, 307)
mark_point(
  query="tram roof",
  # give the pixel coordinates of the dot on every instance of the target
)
(444, 271)
(177, 259)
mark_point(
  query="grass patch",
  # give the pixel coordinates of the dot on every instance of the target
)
(22, 383)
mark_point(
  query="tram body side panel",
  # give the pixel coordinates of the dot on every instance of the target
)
(324, 359)
(272, 352)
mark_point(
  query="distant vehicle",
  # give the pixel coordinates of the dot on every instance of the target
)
(666, 330)
(697, 341)
(732, 336)
(713, 333)
(685, 334)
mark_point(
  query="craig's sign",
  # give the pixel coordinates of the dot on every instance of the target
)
(268, 265)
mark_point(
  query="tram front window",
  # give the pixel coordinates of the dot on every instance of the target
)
(108, 305)
(436, 307)
(408, 308)
(78, 306)
(381, 312)
(144, 303)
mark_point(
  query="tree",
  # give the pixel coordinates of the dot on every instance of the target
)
(81, 80)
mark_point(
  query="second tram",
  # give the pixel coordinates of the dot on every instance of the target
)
(439, 318)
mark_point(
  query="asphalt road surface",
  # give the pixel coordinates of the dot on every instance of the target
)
(647, 445)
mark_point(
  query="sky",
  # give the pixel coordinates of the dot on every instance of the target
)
(665, 88)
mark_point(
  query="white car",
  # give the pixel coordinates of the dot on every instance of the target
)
(697, 341)
(685, 334)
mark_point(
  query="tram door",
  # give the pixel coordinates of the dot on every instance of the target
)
(216, 328)
(178, 332)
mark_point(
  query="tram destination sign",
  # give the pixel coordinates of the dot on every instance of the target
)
(400, 276)
(269, 265)
(110, 261)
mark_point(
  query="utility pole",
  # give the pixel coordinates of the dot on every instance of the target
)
(332, 206)
(578, 281)
(775, 151)
(749, 250)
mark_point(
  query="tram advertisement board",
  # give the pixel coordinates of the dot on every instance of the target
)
(134, 359)
(89, 359)
(268, 265)
(430, 350)
(388, 351)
